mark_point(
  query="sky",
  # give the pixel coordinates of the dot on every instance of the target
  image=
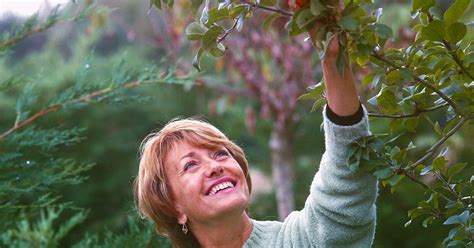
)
(25, 7)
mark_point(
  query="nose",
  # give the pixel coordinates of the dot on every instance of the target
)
(214, 169)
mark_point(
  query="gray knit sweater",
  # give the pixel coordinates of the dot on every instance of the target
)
(340, 209)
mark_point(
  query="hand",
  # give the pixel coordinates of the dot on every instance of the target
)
(333, 48)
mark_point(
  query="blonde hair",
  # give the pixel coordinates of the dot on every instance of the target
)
(153, 191)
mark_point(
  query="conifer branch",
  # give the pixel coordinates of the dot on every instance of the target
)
(85, 98)
(12, 41)
(51, 21)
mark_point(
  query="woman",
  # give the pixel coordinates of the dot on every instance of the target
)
(194, 183)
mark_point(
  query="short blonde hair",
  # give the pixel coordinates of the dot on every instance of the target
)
(153, 191)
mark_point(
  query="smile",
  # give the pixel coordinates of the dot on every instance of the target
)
(220, 187)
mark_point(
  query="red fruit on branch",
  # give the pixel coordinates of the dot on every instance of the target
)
(297, 4)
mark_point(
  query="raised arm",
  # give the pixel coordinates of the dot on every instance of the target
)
(341, 92)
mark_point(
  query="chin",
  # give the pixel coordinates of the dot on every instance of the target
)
(235, 204)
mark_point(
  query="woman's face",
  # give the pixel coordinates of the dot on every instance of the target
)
(206, 183)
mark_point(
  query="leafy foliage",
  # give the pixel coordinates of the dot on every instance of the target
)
(411, 84)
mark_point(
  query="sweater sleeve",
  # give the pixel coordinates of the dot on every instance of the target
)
(340, 210)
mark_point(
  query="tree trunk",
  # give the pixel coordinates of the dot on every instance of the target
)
(282, 168)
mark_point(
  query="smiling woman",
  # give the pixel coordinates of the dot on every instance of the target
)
(191, 174)
(194, 183)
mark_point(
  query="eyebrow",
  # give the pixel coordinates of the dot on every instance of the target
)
(190, 154)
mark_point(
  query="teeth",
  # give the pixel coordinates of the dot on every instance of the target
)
(220, 186)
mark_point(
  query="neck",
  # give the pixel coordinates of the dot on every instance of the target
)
(227, 232)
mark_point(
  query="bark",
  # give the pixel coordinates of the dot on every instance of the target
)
(282, 168)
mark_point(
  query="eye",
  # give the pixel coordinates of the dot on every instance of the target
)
(189, 165)
(221, 154)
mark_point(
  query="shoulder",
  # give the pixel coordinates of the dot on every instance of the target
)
(263, 233)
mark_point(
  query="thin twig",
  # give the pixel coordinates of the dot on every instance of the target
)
(277, 10)
(451, 190)
(228, 31)
(457, 59)
(433, 148)
(416, 180)
(417, 112)
(425, 186)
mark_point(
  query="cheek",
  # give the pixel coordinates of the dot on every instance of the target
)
(188, 188)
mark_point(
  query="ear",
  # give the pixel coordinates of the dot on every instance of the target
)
(182, 219)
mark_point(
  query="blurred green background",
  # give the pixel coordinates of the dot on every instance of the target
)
(139, 37)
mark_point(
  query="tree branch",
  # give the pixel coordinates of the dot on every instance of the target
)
(433, 148)
(276, 10)
(228, 31)
(456, 108)
(417, 112)
(85, 98)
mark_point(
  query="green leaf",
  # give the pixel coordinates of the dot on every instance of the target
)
(316, 7)
(406, 74)
(237, 11)
(209, 39)
(304, 18)
(462, 218)
(341, 62)
(411, 124)
(437, 128)
(317, 88)
(453, 207)
(456, 11)
(218, 51)
(454, 169)
(383, 173)
(423, 5)
(387, 101)
(416, 212)
(292, 25)
(455, 32)
(197, 59)
(195, 31)
(156, 3)
(267, 2)
(195, 4)
(394, 77)
(440, 164)
(428, 221)
(382, 30)
(269, 20)
(169, 3)
(435, 31)
(457, 244)
(215, 15)
(319, 103)
(349, 23)
(309, 96)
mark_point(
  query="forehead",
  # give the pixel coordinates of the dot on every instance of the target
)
(183, 148)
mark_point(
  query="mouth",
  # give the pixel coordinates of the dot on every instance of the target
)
(221, 185)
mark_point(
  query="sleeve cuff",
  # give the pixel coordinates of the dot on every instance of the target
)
(345, 120)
